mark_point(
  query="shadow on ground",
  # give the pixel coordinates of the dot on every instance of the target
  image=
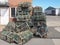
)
(52, 33)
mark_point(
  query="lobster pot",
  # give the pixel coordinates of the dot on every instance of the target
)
(23, 17)
(19, 13)
(39, 17)
(35, 23)
(34, 30)
(42, 17)
(22, 26)
(22, 36)
(19, 23)
(26, 35)
(26, 4)
(37, 9)
(10, 26)
(4, 35)
(30, 23)
(29, 35)
(19, 9)
(17, 39)
(10, 37)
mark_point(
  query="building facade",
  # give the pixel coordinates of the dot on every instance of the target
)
(58, 11)
(50, 11)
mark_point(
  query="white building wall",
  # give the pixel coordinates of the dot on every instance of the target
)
(4, 16)
(57, 11)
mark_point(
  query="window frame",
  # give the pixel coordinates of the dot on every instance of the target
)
(10, 12)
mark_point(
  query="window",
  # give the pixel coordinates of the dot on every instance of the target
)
(12, 12)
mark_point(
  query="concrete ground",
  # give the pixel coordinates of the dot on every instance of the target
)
(53, 24)
(36, 41)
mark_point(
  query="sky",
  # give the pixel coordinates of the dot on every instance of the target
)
(46, 3)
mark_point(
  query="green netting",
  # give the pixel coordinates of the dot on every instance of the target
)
(16, 37)
(4, 32)
(37, 9)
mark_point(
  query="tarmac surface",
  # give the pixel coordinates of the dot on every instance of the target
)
(53, 24)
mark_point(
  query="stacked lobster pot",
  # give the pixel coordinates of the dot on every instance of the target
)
(39, 21)
(23, 16)
(18, 31)
(9, 29)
